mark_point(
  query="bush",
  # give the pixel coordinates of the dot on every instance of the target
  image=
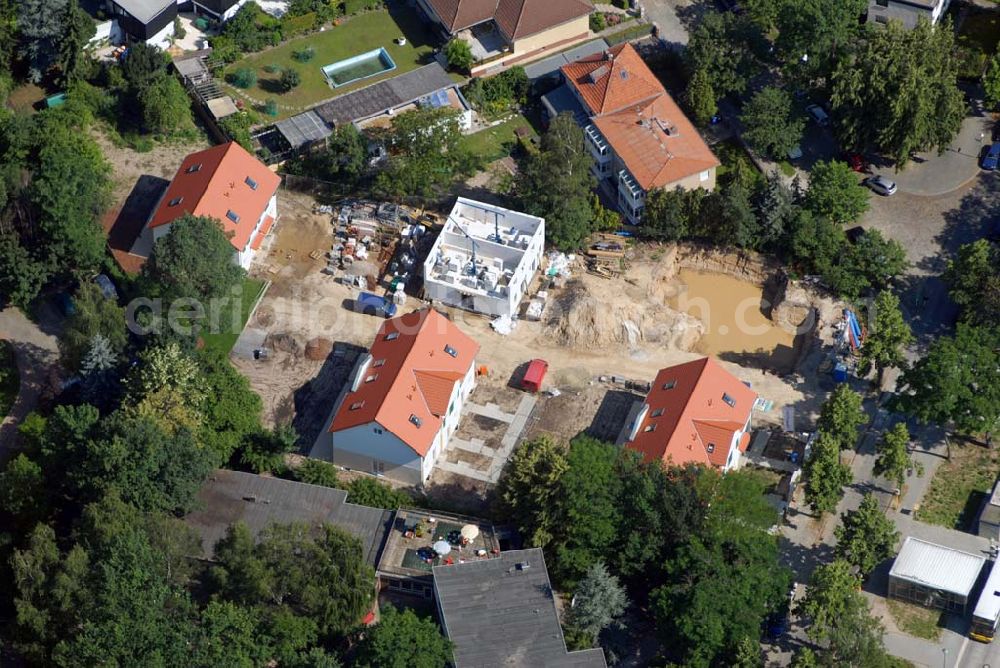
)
(352, 7)
(298, 25)
(244, 77)
(304, 55)
(290, 78)
(494, 96)
(597, 22)
(179, 31)
(271, 108)
(459, 54)
(272, 68)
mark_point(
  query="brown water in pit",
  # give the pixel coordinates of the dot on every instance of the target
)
(735, 328)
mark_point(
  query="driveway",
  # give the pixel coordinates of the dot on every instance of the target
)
(675, 18)
(37, 354)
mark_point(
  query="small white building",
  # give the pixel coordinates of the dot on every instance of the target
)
(934, 576)
(485, 258)
(405, 398)
(906, 11)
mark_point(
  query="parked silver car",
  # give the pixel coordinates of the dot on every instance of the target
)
(881, 185)
(818, 114)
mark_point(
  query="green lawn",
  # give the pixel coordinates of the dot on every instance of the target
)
(355, 36)
(915, 620)
(959, 486)
(223, 341)
(496, 142)
(9, 381)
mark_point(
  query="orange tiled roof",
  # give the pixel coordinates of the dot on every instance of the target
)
(217, 182)
(411, 374)
(638, 118)
(695, 418)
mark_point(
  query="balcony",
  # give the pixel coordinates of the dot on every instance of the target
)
(631, 191)
(598, 147)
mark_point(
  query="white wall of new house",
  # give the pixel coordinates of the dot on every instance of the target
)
(245, 256)
(883, 11)
(373, 449)
(449, 425)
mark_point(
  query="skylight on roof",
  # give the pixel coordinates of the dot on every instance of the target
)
(357, 404)
(371, 378)
(670, 384)
(451, 351)
(193, 168)
(416, 421)
(250, 182)
(657, 413)
(175, 201)
(233, 216)
(392, 336)
(710, 448)
(729, 400)
(650, 427)
(380, 362)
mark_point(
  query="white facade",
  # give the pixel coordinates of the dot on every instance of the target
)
(906, 11)
(485, 258)
(372, 448)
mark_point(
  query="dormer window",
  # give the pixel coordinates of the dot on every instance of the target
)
(250, 182)
(233, 216)
(451, 351)
(175, 201)
(357, 404)
(729, 400)
(416, 421)
(193, 168)
(392, 336)
(670, 384)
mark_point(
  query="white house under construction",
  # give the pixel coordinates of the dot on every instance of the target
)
(485, 258)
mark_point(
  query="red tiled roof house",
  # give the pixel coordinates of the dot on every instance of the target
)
(510, 32)
(405, 398)
(695, 413)
(639, 138)
(229, 184)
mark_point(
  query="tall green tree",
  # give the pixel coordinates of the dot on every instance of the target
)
(956, 382)
(40, 25)
(727, 218)
(723, 47)
(95, 315)
(835, 192)
(21, 276)
(231, 410)
(401, 639)
(671, 215)
(866, 537)
(700, 98)
(973, 278)
(319, 573)
(265, 451)
(598, 602)
(528, 490)
(892, 456)
(165, 104)
(814, 35)
(79, 29)
(898, 94)
(776, 211)
(773, 127)
(888, 336)
(167, 387)
(825, 476)
(841, 416)
(991, 82)
(555, 183)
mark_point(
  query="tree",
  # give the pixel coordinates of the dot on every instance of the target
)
(825, 476)
(700, 98)
(956, 381)
(145, 63)
(888, 336)
(228, 636)
(265, 451)
(834, 192)
(194, 260)
(243, 77)
(21, 277)
(893, 459)
(23, 495)
(898, 93)
(605, 219)
(167, 387)
(773, 127)
(722, 47)
(973, 279)
(814, 35)
(165, 104)
(528, 487)
(991, 82)
(727, 218)
(874, 261)
(318, 573)
(598, 602)
(555, 183)
(77, 32)
(671, 215)
(747, 654)
(459, 54)
(40, 24)
(230, 410)
(866, 537)
(426, 153)
(317, 472)
(832, 595)
(589, 513)
(95, 315)
(401, 639)
(816, 243)
(366, 491)
(290, 79)
(841, 415)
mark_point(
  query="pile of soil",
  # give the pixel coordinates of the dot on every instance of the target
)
(318, 349)
(284, 342)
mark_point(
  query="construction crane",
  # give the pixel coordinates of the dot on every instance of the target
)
(471, 271)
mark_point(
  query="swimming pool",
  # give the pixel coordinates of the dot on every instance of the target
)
(359, 67)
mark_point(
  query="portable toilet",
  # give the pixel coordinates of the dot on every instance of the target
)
(533, 376)
(840, 372)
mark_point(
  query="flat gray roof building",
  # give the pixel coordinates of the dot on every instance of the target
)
(501, 612)
(933, 575)
(233, 496)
